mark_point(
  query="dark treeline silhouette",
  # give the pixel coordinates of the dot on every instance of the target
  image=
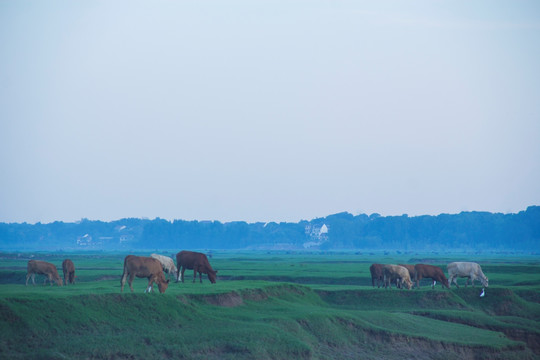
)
(467, 231)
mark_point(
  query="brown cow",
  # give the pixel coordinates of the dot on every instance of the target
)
(377, 274)
(144, 267)
(196, 261)
(69, 271)
(42, 268)
(396, 273)
(412, 271)
(430, 271)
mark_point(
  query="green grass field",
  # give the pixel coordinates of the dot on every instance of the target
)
(270, 306)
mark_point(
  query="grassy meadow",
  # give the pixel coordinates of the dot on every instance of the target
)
(271, 305)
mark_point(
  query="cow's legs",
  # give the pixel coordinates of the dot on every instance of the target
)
(28, 276)
(130, 281)
(150, 282)
(453, 279)
(123, 281)
(194, 273)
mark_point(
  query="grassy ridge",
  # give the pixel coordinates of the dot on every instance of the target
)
(257, 318)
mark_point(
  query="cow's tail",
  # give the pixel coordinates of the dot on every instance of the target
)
(124, 276)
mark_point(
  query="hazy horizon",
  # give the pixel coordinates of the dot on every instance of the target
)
(267, 111)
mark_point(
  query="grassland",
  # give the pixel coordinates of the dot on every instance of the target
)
(271, 306)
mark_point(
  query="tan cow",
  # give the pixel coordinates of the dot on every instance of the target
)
(412, 270)
(143, 267)
(396, 273)
(470, 270)
(42, 268)
(167, 263)
(69, 271)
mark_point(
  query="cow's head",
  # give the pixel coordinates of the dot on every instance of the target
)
(162, 286)
(212, 275)
(59, 281)
(445, 282)
(408, 284)
(484, 281)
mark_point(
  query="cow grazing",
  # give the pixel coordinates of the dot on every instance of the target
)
(396, 273)
(167, 263)
(412, 271)
(144, 267)
(198, 262)
(69, 271)
(430, 271)
(470, 270)
(42, 268)
(377, 274)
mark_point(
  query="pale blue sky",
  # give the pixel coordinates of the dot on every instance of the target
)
(267, 110)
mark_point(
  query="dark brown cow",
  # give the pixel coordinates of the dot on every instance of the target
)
(69, 271)
(430, 271)
(377, 274)
(42, 268)
(412, 271)
(198, 262)
(144, 267)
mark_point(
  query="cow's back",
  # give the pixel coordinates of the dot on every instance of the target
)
(189, 259)
(41, 267)
(397, 270)
(166, 261)
(68, 266)
(143, 264)
(376, 270)
(462, 268)
(410, 268)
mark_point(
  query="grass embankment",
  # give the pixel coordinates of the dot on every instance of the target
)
(260, 320)
(337, 315)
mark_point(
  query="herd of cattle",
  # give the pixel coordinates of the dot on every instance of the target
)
(402, 274)
(156, 266)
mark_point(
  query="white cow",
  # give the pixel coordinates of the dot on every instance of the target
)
(167, 263)
(470, 270)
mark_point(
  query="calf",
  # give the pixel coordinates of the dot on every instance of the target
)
(377, 274)
(42, 268)
(69, 271)
(430, 271)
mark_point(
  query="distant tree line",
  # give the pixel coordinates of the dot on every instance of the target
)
(468, 231)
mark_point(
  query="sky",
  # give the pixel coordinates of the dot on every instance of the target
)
(267, 110)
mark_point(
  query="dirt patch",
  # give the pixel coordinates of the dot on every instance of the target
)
(231, 299)
(423, 349)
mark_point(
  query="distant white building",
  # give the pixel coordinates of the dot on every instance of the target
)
(318, 235)
(85, 240)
